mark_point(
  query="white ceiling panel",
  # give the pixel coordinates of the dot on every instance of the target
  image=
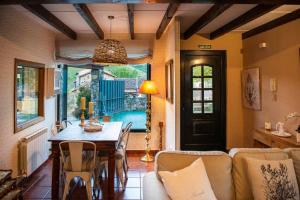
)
(147, 21)
(118, 25)
(230, 14)
(60, 7)
(189, 13)
(282, 10)
(107, 7)
(151, 7)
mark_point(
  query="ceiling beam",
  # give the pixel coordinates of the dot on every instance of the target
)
(150, 1)
(205, 19)
(130, 9)
(171, 10)
(250, 15)
(86, 14)
(273, 24)
(51, 19)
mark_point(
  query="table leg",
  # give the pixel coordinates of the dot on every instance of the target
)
(111, 174)
(55, 172)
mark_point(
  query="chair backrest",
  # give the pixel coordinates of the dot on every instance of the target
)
(123, 140)
(106, 118)
(76, 149)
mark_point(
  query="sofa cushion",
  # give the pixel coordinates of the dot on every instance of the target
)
(190, 182)
(153, 188)
(294, 154)
(272, 179)
(239, 167)
(214, 162)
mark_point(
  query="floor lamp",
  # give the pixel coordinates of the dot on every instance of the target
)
(149, 88)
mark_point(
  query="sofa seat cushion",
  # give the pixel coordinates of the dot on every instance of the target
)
(153, 188)
(218, 166)
(239, 167)
(190, 183)
(272, 179)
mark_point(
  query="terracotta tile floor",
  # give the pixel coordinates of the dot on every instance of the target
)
(41, 183)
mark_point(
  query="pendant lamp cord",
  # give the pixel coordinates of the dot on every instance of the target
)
(110, 28)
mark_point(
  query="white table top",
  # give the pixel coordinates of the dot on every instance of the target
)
(110, 132)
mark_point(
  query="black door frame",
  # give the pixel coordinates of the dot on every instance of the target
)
(223, 88)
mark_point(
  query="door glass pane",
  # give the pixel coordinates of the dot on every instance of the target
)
(197, 71)
(207, 71)
(208, 107)
(208, 82)
(208, 95)
(197, 83)
(197, 108)
(197, 94)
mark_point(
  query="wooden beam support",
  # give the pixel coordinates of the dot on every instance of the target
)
(205, 19)
(292, 2)
(51, 19)
(273, 24)
(250, 15)
(86, 14)
(130, 9)
(171, 10)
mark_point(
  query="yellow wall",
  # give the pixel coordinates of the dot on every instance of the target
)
(20, 37)
(280, 60)
(232, 43)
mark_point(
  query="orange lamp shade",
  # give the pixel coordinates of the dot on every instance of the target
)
(148, 87)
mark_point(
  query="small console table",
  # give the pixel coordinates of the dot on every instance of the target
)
(263, 138)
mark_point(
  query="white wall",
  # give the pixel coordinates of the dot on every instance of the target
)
(23, 38)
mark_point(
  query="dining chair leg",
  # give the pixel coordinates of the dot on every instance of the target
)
(66, 189)
(125, 169)
(119, 170)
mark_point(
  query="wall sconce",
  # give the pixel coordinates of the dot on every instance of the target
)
(262, 45)
(273, 88)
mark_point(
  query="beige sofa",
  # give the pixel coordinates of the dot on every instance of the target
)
(227, 172)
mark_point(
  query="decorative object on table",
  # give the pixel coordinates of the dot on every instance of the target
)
(251, 88)
(82, 111)
(169, 71)
(91, 111)
(268, 126)
(149, 88)
(93, 127)
(110, 51)
(280, 130)
(57, 80)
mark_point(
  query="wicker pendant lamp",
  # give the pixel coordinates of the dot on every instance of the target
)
(110, 51)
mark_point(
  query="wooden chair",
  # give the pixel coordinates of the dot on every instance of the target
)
(106, 118)
(75, 165)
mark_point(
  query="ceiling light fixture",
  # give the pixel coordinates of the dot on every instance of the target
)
(110, 51)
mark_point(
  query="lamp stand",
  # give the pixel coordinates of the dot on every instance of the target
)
(82, 118)
(147, 157)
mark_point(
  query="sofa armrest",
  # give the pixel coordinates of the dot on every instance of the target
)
(153, 189)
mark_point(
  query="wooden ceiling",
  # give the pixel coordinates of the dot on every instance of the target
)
(200, 17)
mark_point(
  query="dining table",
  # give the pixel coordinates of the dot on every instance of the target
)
(105, 140)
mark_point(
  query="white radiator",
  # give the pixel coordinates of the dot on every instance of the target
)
(33, 151)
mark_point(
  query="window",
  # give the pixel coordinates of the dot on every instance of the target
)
(202, 89)
(29, 90)
(116, 89)
(133, 104)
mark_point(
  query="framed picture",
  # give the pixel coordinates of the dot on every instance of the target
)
(251, 88)
(169, 81)
(57, 80)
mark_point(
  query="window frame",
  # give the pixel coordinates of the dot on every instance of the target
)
(148, 99)
(41, 89)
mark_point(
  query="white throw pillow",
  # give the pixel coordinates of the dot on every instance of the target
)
(273, 179)
(190, 183)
